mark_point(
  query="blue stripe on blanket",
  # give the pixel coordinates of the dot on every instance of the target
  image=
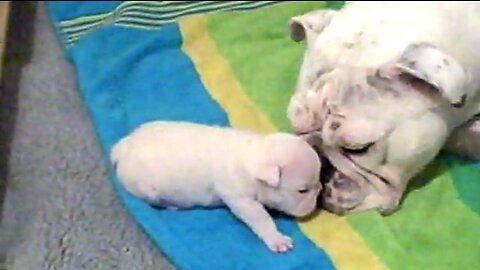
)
(127, 77)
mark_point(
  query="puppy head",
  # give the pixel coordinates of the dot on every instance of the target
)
(289, 175)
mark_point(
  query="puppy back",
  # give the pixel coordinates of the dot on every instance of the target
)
(119, 150)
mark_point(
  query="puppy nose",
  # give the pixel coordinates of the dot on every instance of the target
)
(322, 197)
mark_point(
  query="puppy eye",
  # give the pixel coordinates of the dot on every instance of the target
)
(303, 190)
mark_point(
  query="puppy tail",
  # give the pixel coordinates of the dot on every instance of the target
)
(119, 150)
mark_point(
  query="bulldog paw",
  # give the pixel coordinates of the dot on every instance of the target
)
(279, 243)
(391, 203)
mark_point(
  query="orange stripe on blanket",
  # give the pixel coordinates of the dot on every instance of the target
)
(218, 77)
(331, 233)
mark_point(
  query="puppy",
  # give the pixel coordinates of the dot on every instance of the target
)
(182, 165)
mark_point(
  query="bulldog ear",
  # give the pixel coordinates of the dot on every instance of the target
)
(430, 67)
(309, 25)
(269, 173)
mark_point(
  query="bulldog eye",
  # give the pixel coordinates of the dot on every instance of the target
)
(358, 151)
(303, 190)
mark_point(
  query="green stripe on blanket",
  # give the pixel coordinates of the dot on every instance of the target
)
(270, 80)
(433, 230)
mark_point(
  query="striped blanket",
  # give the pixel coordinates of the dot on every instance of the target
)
(232, 63)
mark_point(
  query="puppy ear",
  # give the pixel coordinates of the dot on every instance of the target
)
(428, 67)
(270, 174)
(309, 25)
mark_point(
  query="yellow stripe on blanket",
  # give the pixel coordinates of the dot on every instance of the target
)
(346, 248)
(218, 77)
(329, 232)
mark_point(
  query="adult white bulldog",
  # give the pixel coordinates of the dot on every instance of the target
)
(382, 89)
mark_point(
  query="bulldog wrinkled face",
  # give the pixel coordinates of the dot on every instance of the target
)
(380, 126)
(372, 126)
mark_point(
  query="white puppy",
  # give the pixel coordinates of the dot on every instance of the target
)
(184, 165)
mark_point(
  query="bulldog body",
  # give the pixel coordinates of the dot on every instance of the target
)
(382, 89)
(185, 165)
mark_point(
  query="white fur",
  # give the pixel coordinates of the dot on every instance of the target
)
(183, 165)
(370, 35)
(409, 130)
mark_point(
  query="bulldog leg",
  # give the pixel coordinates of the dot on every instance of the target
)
(465, 140)
(426, 137)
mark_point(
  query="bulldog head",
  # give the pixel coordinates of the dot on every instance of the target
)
(378, 127)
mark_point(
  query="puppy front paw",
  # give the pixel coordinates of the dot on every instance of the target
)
(279, 243)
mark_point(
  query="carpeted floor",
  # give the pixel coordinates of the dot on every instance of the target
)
(59, 210)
